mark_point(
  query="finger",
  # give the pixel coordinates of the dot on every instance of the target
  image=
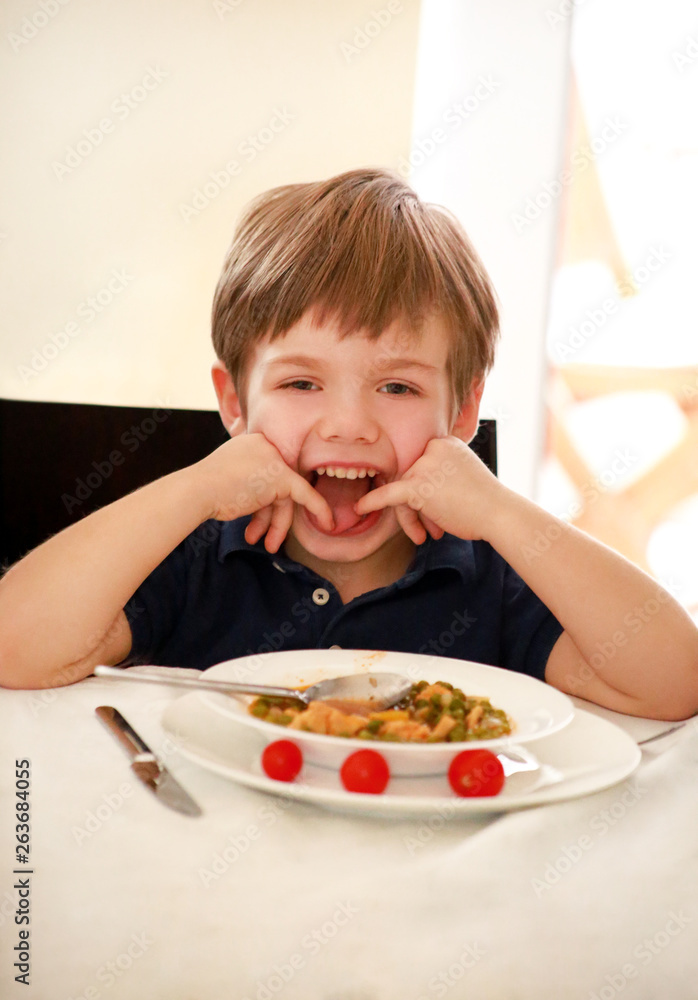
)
(259, 524)
(391, 495)
(303, 493)
(281, 519)
(432, 527)
(409, 521)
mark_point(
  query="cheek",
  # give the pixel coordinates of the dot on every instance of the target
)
(410, 438)
(279, 422)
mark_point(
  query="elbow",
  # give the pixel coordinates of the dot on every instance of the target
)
(13, 675)
(17, 674)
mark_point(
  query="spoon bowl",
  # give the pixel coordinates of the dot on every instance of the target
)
(361, 693)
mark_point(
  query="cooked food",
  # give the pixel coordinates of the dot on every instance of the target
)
(431, 713)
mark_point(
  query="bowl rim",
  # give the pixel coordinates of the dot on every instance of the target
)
(272, 732)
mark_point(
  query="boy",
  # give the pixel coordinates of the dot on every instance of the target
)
(354, 327)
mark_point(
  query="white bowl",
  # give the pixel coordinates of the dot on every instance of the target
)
(535, 708)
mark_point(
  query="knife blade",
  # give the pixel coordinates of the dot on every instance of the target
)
(146, 765)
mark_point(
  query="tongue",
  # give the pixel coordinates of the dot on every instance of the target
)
(341, 495)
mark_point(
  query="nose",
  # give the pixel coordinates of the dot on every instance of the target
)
(349, 419)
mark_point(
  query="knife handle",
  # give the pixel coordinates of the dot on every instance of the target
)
(126, 734)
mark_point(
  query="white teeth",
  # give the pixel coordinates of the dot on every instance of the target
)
(340, 472)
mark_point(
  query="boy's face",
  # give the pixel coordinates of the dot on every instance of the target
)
(352, 406)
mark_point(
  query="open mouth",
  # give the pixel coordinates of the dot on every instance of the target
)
(374, 477)
(343, 486)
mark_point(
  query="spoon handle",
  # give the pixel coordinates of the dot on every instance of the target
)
(223, 687)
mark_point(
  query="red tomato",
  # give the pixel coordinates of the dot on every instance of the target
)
(365, 771)
(282, 760)
(476, 772)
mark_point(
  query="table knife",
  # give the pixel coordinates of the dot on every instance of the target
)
(145, 764)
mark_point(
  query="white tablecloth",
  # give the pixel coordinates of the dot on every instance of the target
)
(264, 897)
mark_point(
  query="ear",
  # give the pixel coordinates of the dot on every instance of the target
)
(229, 404)
(466, 423)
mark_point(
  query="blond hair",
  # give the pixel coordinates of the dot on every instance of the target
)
(364, 251)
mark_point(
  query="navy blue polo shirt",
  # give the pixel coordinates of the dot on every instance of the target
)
(215, 597)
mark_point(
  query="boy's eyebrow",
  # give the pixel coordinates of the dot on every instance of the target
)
(387, 362)
(301, 360)
(381, 364)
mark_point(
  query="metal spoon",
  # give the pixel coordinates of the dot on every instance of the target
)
(358, 692)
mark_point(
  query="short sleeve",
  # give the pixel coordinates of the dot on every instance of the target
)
(529, 630)
(156, 607)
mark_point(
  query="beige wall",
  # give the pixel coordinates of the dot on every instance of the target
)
(331, 88)
(115, 116)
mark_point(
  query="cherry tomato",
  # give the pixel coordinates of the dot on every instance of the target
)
(475, 773)
(365, 771)
(282, 760)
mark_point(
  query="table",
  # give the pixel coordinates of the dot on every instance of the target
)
(265, 897)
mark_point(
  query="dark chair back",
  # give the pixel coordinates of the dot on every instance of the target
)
(61, 461)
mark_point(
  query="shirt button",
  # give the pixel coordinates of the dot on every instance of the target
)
(321, 596)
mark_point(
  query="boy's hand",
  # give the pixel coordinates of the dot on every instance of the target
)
(448, 489)
(248, 475)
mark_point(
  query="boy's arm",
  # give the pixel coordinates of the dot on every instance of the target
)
(627, 644)
(61, 606)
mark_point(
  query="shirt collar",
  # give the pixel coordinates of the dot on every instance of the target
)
(448, 552)
(232, 538)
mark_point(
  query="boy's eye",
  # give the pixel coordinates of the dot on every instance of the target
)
(299, 383)
(398, 389)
